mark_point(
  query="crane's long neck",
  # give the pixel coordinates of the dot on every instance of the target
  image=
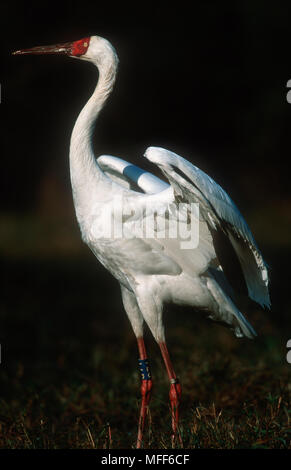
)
(87, 178)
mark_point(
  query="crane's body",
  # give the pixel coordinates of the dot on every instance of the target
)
(154, 270)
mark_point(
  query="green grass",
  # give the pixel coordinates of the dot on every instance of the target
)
(69, 375)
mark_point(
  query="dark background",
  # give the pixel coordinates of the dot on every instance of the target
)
(204, 79)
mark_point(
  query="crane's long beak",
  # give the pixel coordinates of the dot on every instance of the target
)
(65, 48)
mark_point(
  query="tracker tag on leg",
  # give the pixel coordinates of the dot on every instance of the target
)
(144, 369)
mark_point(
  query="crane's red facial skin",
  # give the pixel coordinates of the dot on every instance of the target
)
(80, 47)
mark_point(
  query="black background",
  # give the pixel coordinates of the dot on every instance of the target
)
(205, 79)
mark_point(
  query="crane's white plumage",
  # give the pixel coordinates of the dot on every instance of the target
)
(217, 208)
(153, 270)
(159, 269)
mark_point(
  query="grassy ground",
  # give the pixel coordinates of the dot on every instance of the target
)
(69, 376)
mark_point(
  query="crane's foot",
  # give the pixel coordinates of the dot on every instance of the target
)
(175, 398)
(146, 388)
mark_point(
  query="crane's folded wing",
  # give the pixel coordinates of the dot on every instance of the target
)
(159, 197)
(155, 212)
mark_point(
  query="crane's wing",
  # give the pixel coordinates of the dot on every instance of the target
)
(191, 184)
(159, 193)
(145, 256)
(130, 176)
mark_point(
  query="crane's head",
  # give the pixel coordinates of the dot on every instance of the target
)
(93, 49)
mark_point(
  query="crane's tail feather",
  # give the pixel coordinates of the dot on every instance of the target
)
(244, 327)
(227, 311)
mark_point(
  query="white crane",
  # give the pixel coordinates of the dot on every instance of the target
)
(157, 268)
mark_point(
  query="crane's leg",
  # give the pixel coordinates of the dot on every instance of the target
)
(175, 391)
(136, 320)
(146, 388)
(151, 306)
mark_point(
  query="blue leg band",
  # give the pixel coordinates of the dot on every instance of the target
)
(144, 369)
